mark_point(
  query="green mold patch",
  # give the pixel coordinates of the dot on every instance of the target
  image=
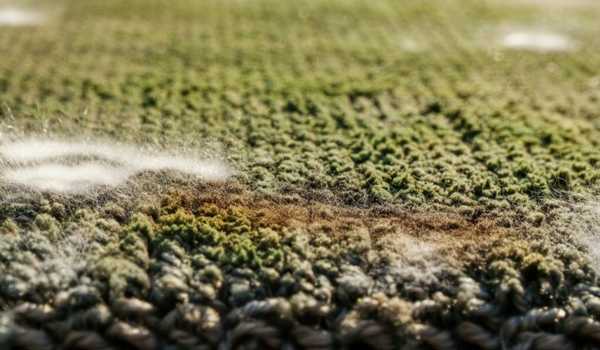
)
(319, 98)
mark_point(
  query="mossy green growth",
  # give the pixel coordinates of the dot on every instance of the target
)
(224, 237)
(356, 102)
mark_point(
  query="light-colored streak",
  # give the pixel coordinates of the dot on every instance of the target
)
(10, 16)
(48, 165)
(67, 178)
(537, 41)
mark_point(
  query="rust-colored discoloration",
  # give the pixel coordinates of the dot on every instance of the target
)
(387, 227)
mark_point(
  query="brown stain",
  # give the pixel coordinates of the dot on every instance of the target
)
(389, 228)
(447, 231)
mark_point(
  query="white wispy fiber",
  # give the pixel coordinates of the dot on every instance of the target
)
(46, 164)
(67, 178)
(12, 16)
(580, 221)
(537, 41)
